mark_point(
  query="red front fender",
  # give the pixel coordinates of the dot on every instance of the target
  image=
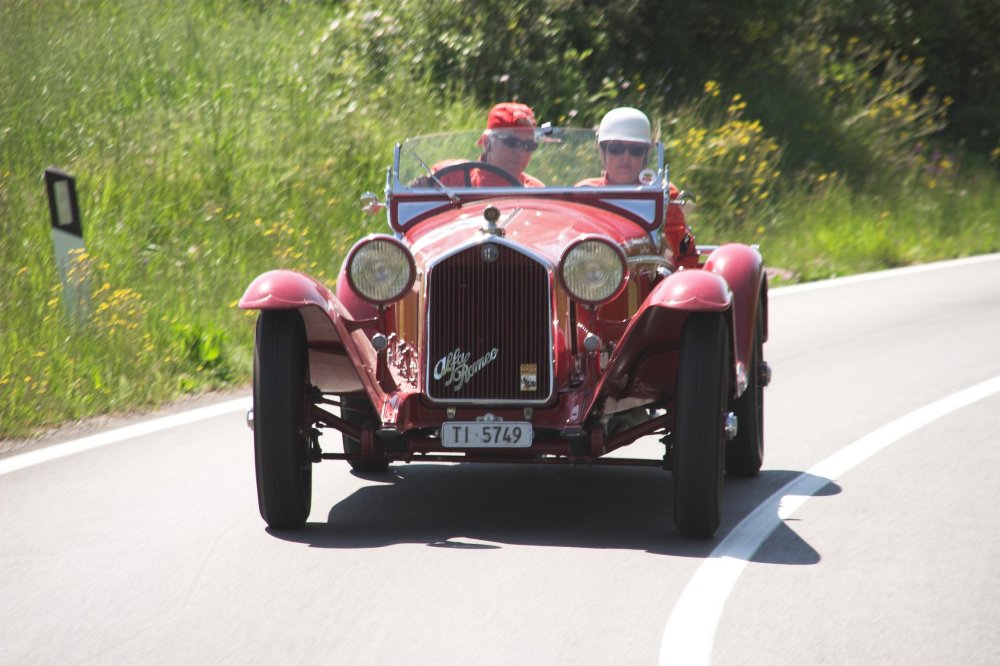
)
(284, 290)
(691, 291)
(644, 362)
(341, 357)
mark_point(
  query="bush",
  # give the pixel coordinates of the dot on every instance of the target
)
(727, 160)
(875, 102)
(559, 56)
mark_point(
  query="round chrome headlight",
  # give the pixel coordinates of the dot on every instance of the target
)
(380, 269)
(593, 270)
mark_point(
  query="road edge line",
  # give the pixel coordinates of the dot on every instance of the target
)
(91, 442)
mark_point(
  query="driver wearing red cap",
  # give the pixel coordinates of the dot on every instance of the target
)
(508, 142)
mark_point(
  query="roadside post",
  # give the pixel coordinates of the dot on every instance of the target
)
(67, 241)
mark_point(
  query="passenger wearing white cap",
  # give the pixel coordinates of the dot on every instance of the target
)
(624, 140)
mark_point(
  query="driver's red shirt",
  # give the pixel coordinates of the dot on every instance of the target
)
(480, 177)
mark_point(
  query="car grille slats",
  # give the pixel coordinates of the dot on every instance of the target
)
(489, 327)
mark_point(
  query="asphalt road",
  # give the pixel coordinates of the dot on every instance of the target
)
(871, 535)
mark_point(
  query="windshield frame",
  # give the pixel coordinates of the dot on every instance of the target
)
(409, 201)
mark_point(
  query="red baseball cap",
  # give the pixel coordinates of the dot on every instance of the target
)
(510, 114)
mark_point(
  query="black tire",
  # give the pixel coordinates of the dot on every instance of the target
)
(281, 425)
(702, 382)
(745, 453)
(357, 409)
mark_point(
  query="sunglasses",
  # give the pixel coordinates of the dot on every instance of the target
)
(515, 143)
(618, 148)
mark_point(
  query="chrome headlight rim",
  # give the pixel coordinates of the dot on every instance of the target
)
(622, 267)
(405, 275)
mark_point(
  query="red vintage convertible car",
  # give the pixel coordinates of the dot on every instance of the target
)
(509, 324)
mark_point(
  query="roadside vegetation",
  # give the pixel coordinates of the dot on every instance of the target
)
(216, 142)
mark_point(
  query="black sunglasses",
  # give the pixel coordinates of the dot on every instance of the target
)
(619, 148)
(523, 144)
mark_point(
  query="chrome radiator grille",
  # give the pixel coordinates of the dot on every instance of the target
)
(489, 327)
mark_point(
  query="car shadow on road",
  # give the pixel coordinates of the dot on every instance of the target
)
(482, 507)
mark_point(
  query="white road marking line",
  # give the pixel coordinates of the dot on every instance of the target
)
(690, 632)
(75, 446)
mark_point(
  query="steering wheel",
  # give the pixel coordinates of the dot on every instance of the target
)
(467, 168)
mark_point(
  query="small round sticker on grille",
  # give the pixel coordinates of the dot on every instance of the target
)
(529, 376)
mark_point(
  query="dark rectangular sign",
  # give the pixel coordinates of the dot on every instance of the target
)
(63, 206)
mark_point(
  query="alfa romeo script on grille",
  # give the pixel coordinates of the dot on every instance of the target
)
(477, 434)
(456, 368)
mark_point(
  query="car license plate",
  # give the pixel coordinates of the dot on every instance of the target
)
(476, 434)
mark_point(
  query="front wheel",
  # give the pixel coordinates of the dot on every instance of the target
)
(281, 426)
(702, 382)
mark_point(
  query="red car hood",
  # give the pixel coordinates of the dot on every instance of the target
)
(546, 227)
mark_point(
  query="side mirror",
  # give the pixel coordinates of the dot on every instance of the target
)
(370, 203)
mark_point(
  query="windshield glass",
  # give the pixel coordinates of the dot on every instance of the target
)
(547, 157)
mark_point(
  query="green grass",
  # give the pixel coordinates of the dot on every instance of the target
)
(835, 231)
(214, 143)
(208, 145)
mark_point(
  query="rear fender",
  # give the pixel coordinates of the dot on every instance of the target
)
(742, 268)
(341, 356)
